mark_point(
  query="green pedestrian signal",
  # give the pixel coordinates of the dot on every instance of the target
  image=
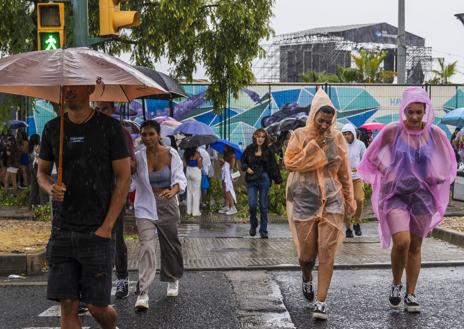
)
(49, 40)
(50, 26)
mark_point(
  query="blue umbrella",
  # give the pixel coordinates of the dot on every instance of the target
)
(193, 127)
(454, 118)
(219, 146)
(16, 124)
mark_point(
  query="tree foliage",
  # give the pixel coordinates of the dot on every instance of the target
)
(368, 64)
(445, 72)
(222, 35)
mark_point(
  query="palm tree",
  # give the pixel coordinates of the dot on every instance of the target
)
(368, 64)
(349, 74)
(444, 74)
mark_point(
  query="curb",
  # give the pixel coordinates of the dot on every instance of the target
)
(284, 267)
(27, 264)
(449, 235)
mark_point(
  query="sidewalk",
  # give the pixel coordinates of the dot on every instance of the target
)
(229, 247)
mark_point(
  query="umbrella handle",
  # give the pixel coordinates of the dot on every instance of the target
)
(60, 152)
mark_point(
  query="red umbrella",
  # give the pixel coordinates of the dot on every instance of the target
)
(373, 126)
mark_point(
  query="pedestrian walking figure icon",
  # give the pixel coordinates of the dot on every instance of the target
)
(51, 43)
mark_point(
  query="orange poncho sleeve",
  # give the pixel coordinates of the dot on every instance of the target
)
(303, 155)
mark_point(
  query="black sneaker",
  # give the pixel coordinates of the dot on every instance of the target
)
(410, 304)
(357, 229)
(320, 310)
(264, 235)
(82, 308)
(252, 231)
(349, 233)
(395, 296)
(122, 288)
(308, 290)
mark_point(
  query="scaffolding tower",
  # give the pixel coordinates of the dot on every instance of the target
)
(268, 68)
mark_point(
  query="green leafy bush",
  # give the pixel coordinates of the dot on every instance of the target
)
(11, 200)
(42, 213)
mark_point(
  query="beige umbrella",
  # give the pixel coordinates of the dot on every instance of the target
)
(42, 74)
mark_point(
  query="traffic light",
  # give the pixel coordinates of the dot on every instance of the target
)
(50, 26)
(112, 18)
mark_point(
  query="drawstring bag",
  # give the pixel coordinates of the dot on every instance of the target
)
(204, 182)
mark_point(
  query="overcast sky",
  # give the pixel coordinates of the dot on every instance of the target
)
(431, 19)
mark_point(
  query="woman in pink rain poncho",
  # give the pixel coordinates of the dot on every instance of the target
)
(410, 165)
(319, 194)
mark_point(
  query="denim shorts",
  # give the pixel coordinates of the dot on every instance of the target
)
(80, 267)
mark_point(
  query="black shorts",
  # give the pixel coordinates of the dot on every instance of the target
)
(80, 267)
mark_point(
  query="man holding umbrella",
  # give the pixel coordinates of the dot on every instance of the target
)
(96, 175)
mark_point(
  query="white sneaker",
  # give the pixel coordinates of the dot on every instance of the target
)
(223, 210)
(142, 301)
(173, 289)
(231, 211)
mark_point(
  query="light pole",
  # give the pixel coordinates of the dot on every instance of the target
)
(401, 47)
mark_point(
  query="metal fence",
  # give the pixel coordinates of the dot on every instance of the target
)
(355, 103)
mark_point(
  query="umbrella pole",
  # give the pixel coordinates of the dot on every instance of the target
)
(143, 109)
(60, 154)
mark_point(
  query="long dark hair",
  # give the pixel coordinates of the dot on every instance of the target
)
(266, 139)
(189, 153)
(152, 124)
(33, 141)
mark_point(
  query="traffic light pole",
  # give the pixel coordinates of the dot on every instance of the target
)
(81, 22)
(81, 25)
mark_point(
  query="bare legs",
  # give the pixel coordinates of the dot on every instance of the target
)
(310, 234)
(105, 316)
(406, 254)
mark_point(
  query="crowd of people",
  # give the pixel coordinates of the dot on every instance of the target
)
(410, 165)
(18, 164)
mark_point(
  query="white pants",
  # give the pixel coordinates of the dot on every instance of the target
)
(193, 191)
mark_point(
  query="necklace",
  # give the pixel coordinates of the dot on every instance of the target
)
(87, 118)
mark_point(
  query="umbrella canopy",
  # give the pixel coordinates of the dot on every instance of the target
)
(219, 146)
(132, 126)
(193, 127)
(169, 84)
(43, 74)
(373, 126)
(168, 121)
(197, 140)
(166, 130)
(40, 74)
(454, 118)
(16, 124)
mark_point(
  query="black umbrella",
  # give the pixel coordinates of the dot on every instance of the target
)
(197, 140)
(169, 84)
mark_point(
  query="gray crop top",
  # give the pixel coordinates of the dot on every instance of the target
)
(161, 178)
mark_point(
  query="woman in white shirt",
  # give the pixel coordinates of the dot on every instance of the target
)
(158, 180)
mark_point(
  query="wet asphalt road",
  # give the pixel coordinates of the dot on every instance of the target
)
(259, 299)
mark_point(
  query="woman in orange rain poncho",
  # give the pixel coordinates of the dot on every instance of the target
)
(319, 194)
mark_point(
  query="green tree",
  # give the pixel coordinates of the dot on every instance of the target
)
(368, 64)
(320, 77)
(445, 73)
(223, 35)
(349, 74)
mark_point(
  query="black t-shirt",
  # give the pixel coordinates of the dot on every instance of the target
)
(88, 152)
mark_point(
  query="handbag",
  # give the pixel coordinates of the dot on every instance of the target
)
(204, 182)
(235, 175)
